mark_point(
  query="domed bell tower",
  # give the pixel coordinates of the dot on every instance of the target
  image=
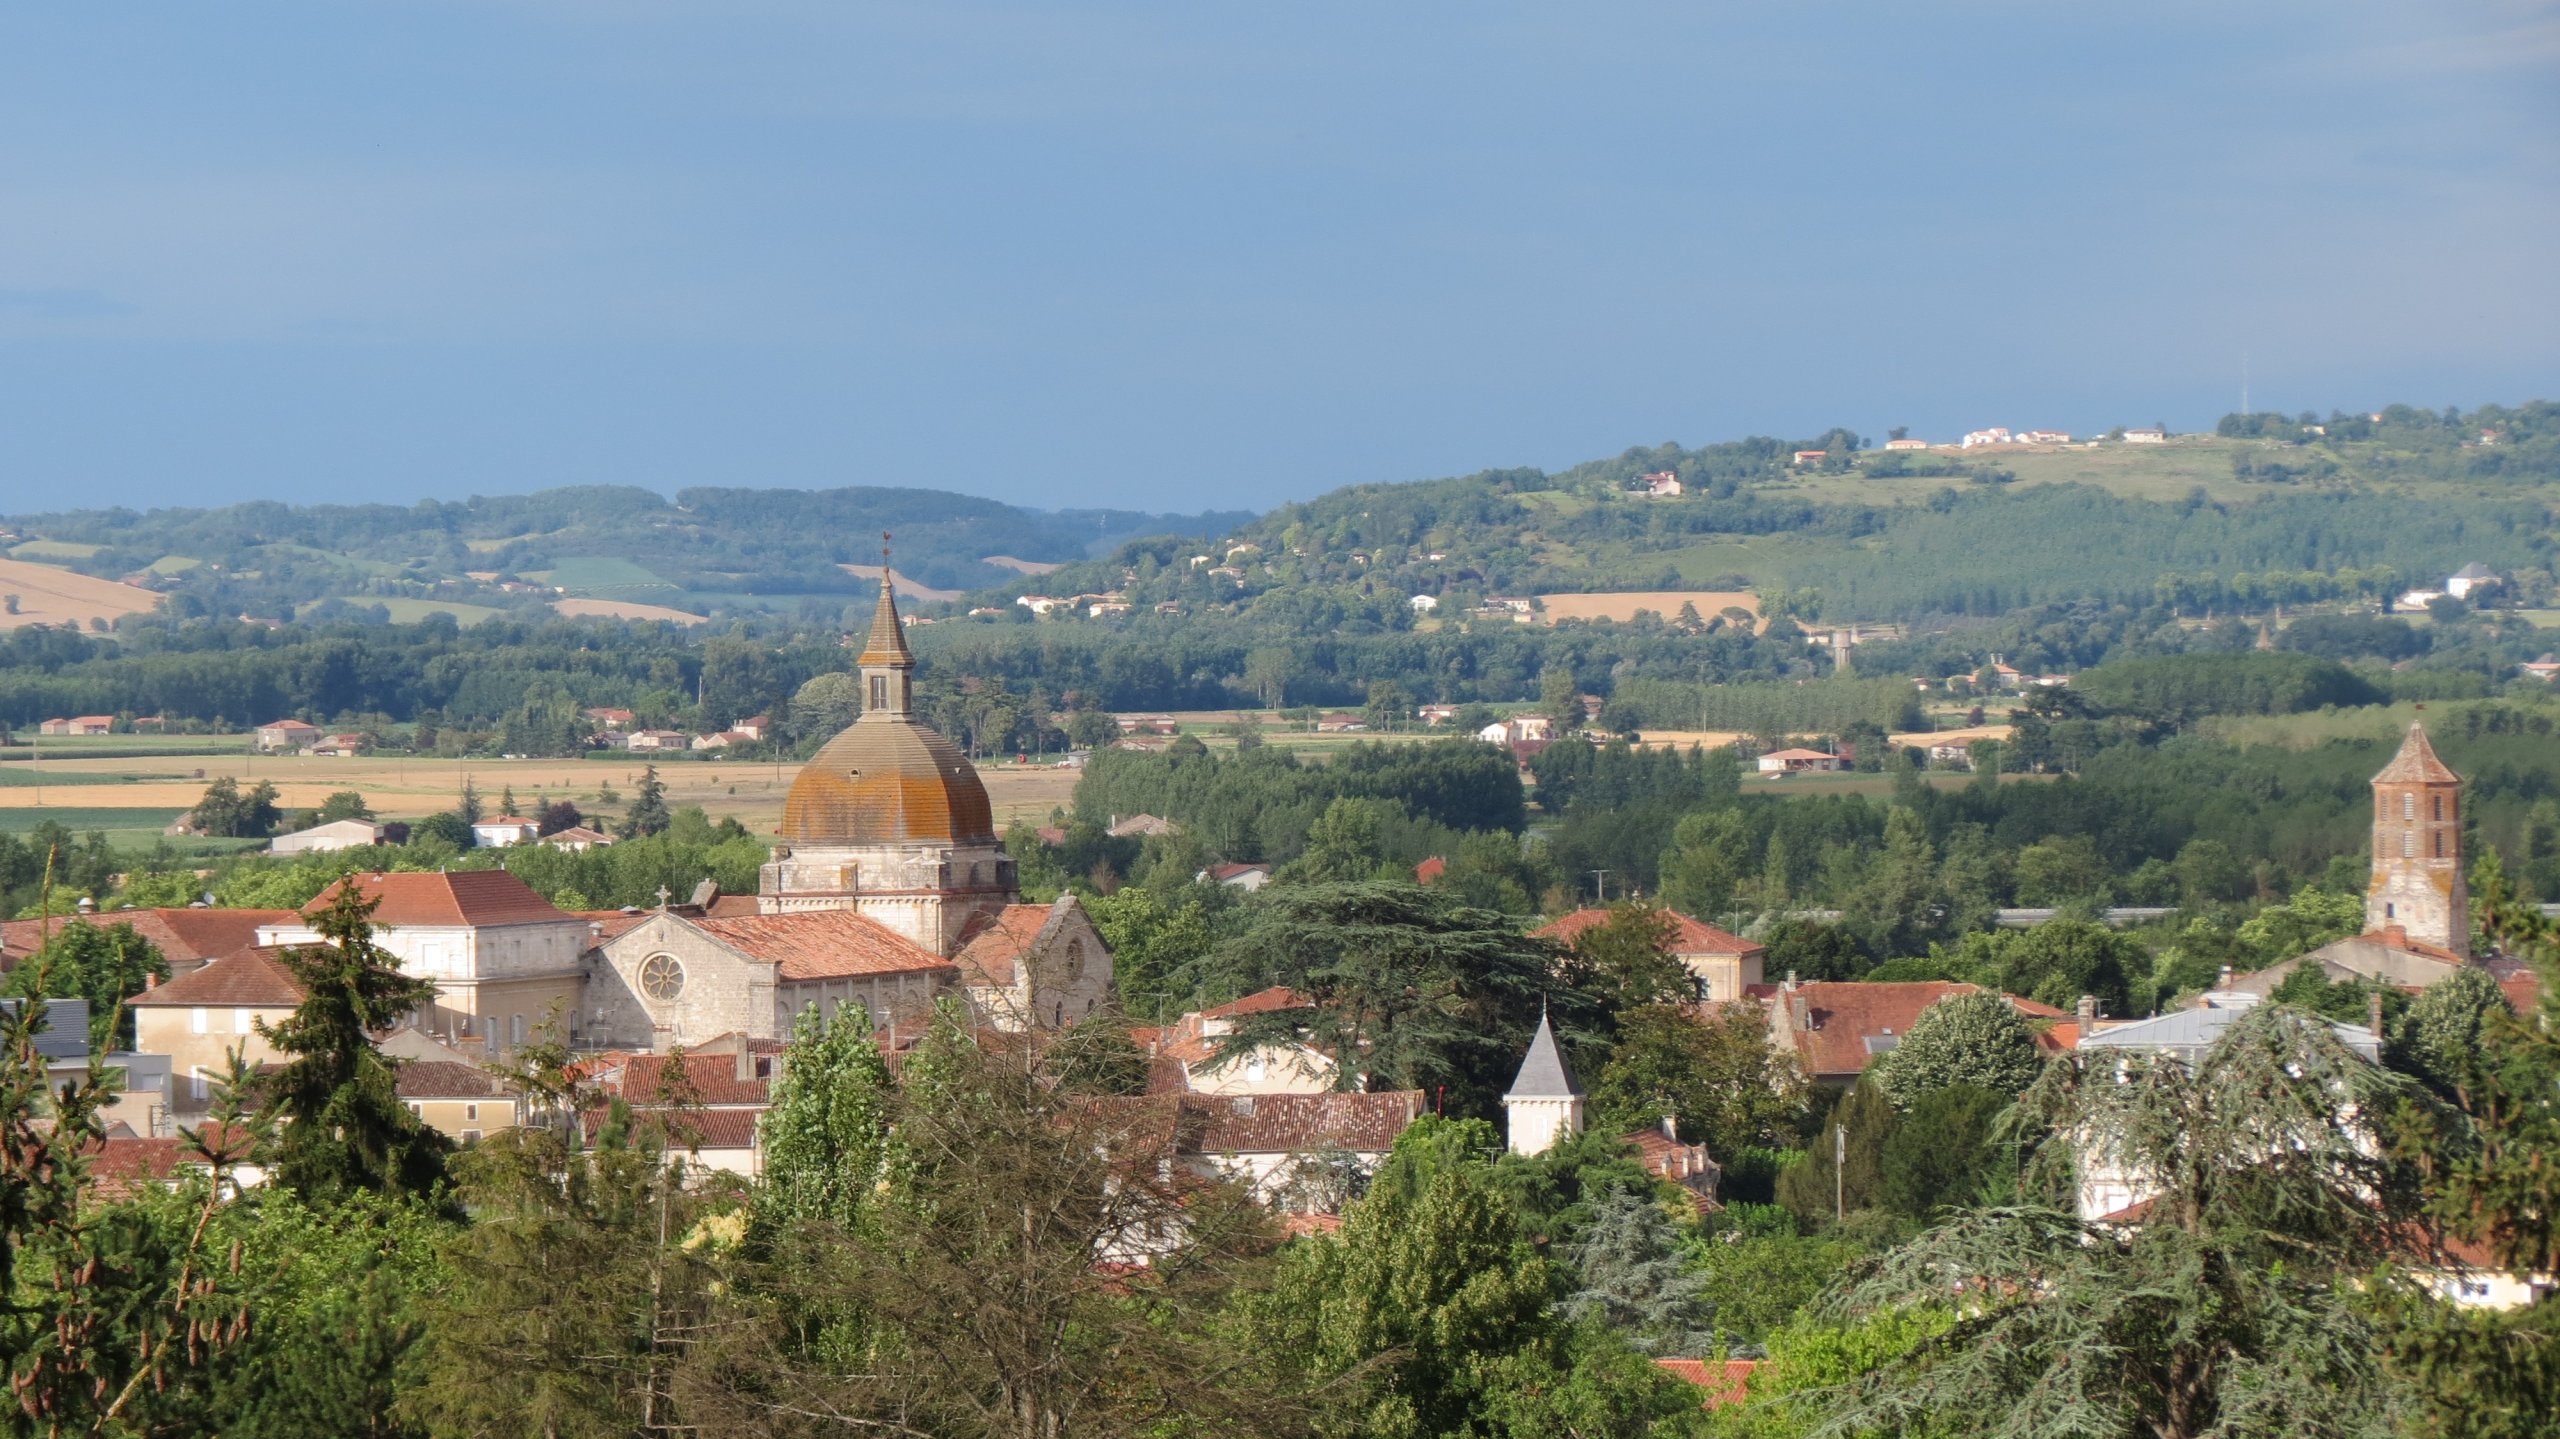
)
(889, 818)
(2418, 884)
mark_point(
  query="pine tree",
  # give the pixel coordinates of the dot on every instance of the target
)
(648, 814)
(1636, 1277)
(469, 808)
(340, 1124)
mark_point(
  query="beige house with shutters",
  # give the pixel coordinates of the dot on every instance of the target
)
(202, 1018)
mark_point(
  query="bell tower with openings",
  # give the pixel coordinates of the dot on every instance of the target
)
(2418, 885)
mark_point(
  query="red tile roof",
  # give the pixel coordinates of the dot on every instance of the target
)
(1261, 1001)
(185, 937)
(991, 956)
(251, 979)
(1844, 1015)
(1725, 1380)
(613, 923)
(1219, 872)
(1430, 869)
(2416, 763)
(704, 1128)
(444, 1079)
(1688, 936)
(122, 1167)
(823, 944)
(454, 898)
(715, 1080)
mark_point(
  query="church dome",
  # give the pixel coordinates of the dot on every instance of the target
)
(888, 780)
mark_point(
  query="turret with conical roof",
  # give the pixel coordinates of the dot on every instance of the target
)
(1544, 1104)
(2418, 885)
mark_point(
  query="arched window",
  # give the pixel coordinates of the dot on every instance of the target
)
(1059, 1019)
(1075, 959)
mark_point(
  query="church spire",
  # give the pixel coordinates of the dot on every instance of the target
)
(888, 667)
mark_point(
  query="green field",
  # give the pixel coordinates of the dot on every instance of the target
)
(607, 577)
(406, 611)
(174, 564)
(27, 776)
(81, 820)
(54, 550)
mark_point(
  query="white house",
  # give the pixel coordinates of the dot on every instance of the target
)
(1996, 435)
(2474, 576)
(2147, 435)
(1516, 729)
(504, 830)
(1424, 604)
(1797, 761)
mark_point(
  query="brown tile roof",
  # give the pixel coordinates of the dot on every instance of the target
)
(705, 1128)
(1688, 936)
(2416, 763)
(444, 1079)
(612, 923)
(185, 937)
(823, 944)
(458, 897)
(1300, 1123)
(2397, 937)
(2519, 979)
(715, 1080)
(1844, 1015)
(251, 979)
(124, 1166)
(992, 954)
(1261, 1001)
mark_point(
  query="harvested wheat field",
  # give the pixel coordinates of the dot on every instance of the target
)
(405, 788)
(622, 610)
(52, 595)
(1666, 603)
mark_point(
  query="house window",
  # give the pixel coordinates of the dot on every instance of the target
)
(471, 1136)
(2439, 809)
(515, 1029)
(2408, 844)
(1253, 1070)
(2408, 806)
(1075, 959)
(2439, 844)
(241, 1023)
(1059, 1019)
(471, 1111)
(199, 1020)
(879, 692)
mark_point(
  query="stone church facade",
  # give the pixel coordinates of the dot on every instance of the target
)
(889, 890)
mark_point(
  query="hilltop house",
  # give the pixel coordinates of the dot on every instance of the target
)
(504, 830)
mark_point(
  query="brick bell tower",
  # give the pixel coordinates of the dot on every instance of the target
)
(2418, 884)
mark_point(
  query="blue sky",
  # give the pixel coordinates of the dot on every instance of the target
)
(1191, 255)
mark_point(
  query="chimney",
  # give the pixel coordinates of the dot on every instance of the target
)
(2373, 1009)
(1791, 979)
(746, 1061)
(1671, 1122)
(87, 905)
(2088, 1009)
(2225, 982)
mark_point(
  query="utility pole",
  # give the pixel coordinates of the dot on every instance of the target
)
(1839, 1173)
(1600, 877)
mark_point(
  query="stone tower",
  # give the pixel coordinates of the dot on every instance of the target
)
(1544, 1105)
(2418, 885)
(889, 818)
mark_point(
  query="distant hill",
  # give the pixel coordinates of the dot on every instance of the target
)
(704, 549)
